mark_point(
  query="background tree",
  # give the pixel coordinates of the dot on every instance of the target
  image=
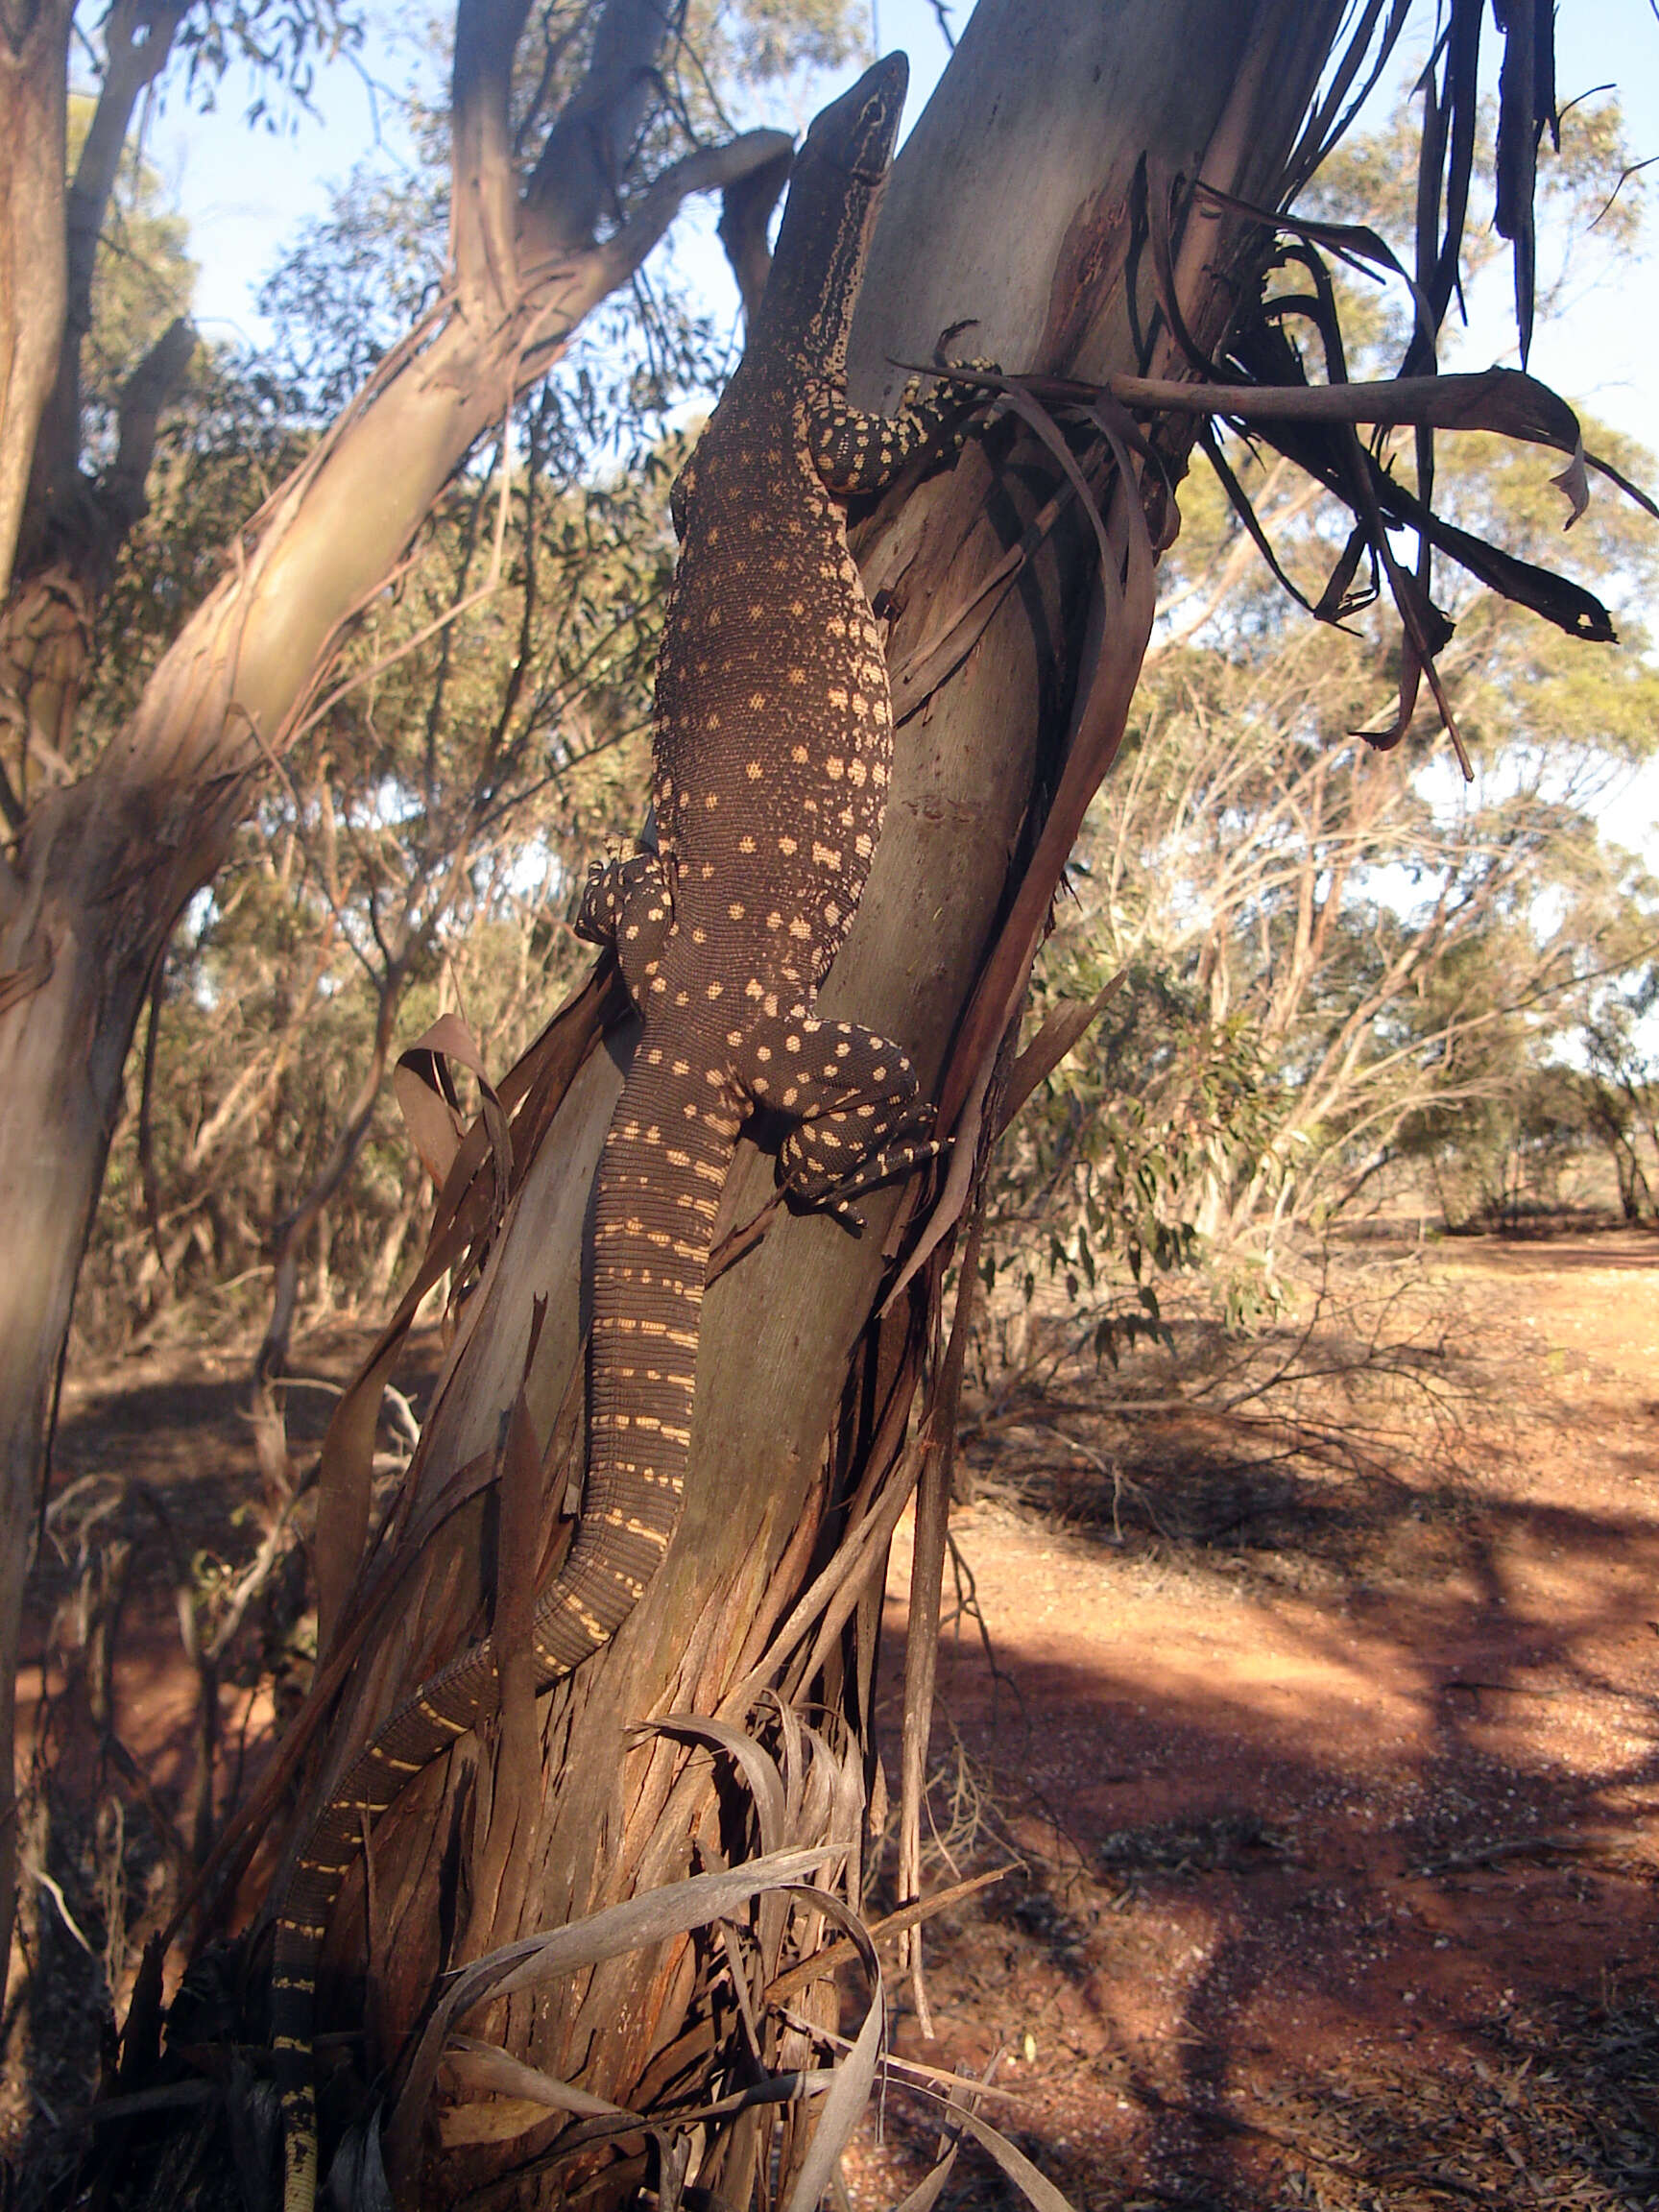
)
(1619, 1082)
(1337, 959)
(431, 817)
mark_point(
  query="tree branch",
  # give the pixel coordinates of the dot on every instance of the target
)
(709, 168)
(137, 44)
(138, 38)
(153, 385)
(578, 175)
(742, 228)
(484, 223)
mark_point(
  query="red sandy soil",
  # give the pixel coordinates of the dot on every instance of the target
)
(1341, 1869)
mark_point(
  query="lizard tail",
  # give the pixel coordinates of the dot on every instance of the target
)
(425, 1724)
(665, 1162)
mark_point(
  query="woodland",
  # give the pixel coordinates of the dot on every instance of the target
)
(1251, 895)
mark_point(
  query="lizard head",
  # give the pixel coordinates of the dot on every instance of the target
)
(835, 193)
(857, 132)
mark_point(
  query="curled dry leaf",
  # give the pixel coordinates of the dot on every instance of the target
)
(490, 2072)
(855, 2076)
(756, 1764)
(1035, 2187)
(653, 1917)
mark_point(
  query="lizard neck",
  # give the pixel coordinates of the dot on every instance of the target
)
(806, 312)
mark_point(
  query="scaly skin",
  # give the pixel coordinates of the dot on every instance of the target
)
(771, 756)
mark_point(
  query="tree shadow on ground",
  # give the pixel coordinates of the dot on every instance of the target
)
(1365, 1916)
(1374, 1933)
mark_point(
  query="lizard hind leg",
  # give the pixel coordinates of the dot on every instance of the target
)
(628, 905)
(860, 1115)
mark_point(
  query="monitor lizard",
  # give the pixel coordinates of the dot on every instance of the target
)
(772, 746)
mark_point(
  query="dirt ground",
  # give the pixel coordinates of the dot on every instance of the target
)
(1317, 1732)
(1329, 1779)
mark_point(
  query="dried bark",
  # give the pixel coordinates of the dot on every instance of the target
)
(33, 259)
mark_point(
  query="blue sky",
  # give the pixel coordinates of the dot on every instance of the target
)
(244, 192)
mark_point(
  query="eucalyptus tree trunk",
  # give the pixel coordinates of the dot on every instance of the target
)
(100, 869)
(34, 280)
(1020, 202)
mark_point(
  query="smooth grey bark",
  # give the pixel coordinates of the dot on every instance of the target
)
(34, 255)
(1012, 204)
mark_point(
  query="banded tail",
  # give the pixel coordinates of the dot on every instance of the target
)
(664, 1164)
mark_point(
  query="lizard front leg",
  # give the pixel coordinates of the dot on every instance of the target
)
(856, 453)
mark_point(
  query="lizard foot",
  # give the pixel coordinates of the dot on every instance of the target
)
(628, 905)
(859, 1114)
(832, 1190)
